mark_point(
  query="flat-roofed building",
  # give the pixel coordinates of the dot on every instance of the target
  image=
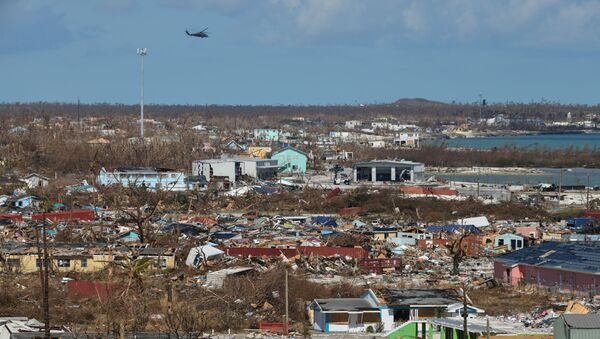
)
(236, 168)
(389, 170)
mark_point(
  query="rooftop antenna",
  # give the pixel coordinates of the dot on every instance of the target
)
(142, 52)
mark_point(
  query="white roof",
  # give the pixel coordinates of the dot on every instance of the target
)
(475, 221)
(210, 252)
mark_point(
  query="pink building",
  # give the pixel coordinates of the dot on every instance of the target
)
(529, 232)
(566, 266)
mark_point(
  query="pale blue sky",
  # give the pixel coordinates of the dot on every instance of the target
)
(300, 51)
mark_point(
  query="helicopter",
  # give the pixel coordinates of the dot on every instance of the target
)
(201, 34)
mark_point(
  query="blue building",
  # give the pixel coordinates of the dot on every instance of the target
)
(26, 201)
(512, 242)
(153, 178)
(291, 160)
(267, 134)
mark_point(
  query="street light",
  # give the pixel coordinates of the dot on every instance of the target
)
(142, 52)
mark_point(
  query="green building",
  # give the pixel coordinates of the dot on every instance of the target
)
(577, 326)
(291, 160)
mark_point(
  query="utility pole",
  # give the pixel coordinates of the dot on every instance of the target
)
(286, 324)
(45, 265)
(487, 327)
(142, 52)
(478, 179)
(560, 185)
(465, 313)
(78, 114)
(587, 193)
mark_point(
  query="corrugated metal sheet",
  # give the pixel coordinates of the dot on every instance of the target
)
(11, 216)
(87, 215)
(354, 252)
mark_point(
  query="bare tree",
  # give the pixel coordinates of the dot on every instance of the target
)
(136, 205)
(456, 249)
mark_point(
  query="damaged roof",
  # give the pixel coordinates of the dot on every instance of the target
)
(418, 296)
(585, 321)
(581, 256)
(345, 305)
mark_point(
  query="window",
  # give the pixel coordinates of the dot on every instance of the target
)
(371, 318)
(161, 263)
(338, 317)
(519, 243)
(14, 263)
(83, 263)
(500, 242)
(64, 263)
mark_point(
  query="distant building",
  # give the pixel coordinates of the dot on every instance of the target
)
(353, 124)
(153, 178)
(34, 180)
(291, 160)
(389, 170)
(266, 134)
(235, 168)
(376, 143)
(407, 140)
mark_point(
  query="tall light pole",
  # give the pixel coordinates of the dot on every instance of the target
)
(142, 52)
(480, 106)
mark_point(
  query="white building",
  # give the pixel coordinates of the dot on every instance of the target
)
(152, 178)
(236, 168)
(407, 140)
(34, 180)
(353, 124)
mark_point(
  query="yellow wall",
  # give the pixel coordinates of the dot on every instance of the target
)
(95, 263)
(381, 236)
(259, 152)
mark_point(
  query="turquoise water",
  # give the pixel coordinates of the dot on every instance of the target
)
(549, 141)
(574, 176)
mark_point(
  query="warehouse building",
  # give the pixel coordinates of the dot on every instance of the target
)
(389, 170)
(235, 169)
(566, 266)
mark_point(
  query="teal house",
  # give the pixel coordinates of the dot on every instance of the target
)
(267, 134)
(291, 160)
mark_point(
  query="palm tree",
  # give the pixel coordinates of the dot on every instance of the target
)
(134, 269)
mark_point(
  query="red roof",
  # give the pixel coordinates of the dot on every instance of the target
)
(87, 215)
(11, 216)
